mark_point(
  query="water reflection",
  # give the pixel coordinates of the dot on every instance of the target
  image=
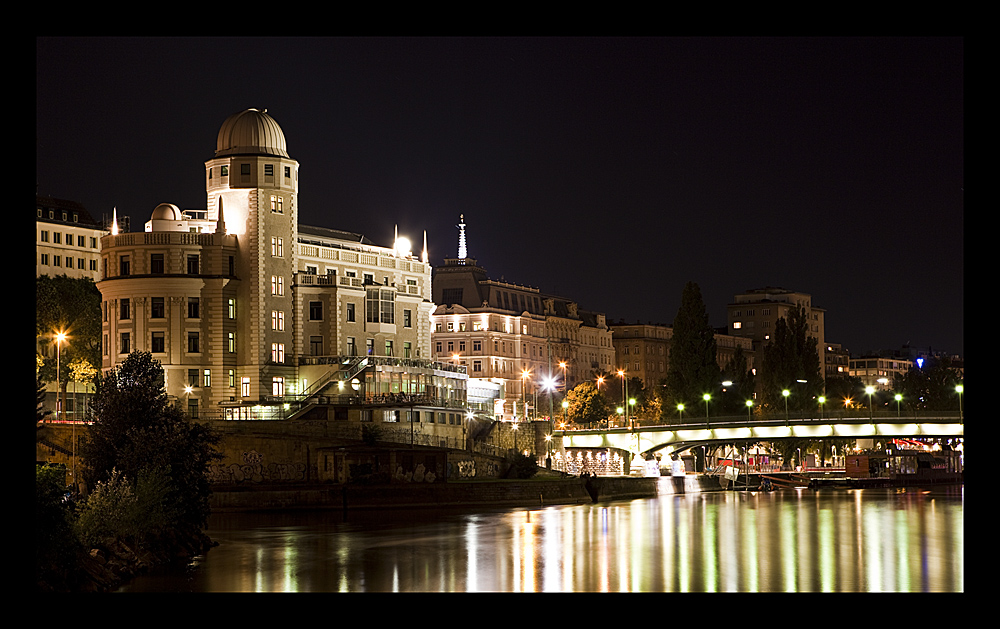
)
(786, 541)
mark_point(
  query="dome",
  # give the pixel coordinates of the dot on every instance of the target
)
(167, 212)
(250, 132)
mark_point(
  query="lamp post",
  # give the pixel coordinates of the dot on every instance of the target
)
(706, 397)
(822, 401)
(870, 390)
(785, 393)
(621, 374)
(565, 405)
(898, 398)
(960, 389)
(60, 337)
(749, 408)
(680, 413)
(631, 403)
(562, 365)
(524, 377)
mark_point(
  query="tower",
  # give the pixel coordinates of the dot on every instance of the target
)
(256, 182)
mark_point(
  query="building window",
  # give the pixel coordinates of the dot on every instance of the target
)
(156, 308)
(225, 171)
(370, 346)
(123, 347)
(380, 306)
(45, 259)
(352, 349)
(277, 250)
(277, 285)
(281, 209)
(407, 321)
(437, 347)
(193, 307)
(245, 170)
(477, 346)
(350, 311)
(269, 170)
(278, 320)
(45, 236)
(193, 407)
(232, 378)
(244, 382)
(231, 342)
(388, 348)
(193, 342)
(124, 309)
(192, 264)
(316, 345)
(406, 349)
(208, 378)
(123, 265)
(278, 352)
(288, 172)
(277, 386)
(232, 308)
(477, 366)
(315, 311)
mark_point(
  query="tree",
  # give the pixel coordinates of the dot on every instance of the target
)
(587, 405)
(737, 370)
(789, 358)
(40, 412)
(72, 305)
(136, 431)
(931, 387)
(842, 388)
(694, 369)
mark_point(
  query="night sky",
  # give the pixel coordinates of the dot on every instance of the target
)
(606, 170)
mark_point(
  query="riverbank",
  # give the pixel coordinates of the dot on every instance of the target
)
(534, 492)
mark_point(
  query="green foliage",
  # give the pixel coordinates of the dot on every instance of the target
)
(370, 434)
(694, 369)
(40, 412)
(56, 546)
(109, 513)
(733, 398)
(841, 388)
(73, 305)
(930, 388)
(136, 431)
(789, 357)
(522, 466)
(587, 405)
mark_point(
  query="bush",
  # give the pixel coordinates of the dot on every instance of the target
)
(56, 546)
(522, 466)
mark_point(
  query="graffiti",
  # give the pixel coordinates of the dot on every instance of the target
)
(256, 472)
(465, 469)
(418, 475)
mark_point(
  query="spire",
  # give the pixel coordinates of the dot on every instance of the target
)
(462, 253)
(114, 221)
(423, 256)
(220, 223)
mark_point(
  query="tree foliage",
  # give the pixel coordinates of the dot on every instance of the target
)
(72, 305)
(587, 405)
(737, 370)
(136, 432)
(694, 369)
(791, 356)
(931, 387)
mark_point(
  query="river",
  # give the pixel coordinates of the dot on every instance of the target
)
(827, 540)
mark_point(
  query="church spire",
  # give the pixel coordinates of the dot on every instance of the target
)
(114, 221)
(423, 255)
(462, 252)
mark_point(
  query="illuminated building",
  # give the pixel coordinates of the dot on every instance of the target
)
(643, 350)
(254, 316)
(754, 313)
(67, 239)
(515, 334)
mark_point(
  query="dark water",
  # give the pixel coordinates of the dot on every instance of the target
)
(830, 540)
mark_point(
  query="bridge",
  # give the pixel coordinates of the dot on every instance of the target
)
(675, 437)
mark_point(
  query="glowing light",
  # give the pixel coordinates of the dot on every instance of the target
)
(402, 247)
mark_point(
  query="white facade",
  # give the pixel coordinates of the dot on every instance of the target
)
(247, 310)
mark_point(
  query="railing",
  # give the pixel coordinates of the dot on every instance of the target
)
(693, 421)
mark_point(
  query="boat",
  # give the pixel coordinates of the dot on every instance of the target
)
(900, 467)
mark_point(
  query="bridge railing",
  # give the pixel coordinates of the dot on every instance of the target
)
(773, 418)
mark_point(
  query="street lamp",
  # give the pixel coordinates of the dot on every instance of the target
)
(680, 413)
(785, 393)
(60, 337)
(562, 365)
(870, 390)
(898, 398)
(631, 403)
(524, 376)
(749, 408)
(565, 405)
(706, 397)
(822, 401)
(960, 389)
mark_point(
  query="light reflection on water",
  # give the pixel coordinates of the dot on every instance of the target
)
(784, 541)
